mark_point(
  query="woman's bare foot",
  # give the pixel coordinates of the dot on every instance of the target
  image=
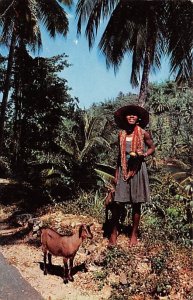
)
(133, 240)
(111, 245)
(113, 239)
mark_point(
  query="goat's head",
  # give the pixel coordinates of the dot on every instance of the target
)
(85, 232)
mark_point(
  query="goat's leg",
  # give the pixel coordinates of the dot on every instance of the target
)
(70, 277)
(65, 278)
(49, 259)
(45, 268)
(106, 214)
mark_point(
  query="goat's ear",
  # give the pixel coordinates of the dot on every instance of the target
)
(72, 224)
(80, 230)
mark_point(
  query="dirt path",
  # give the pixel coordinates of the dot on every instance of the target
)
(26, 256)
(28, 262)
(24, 252)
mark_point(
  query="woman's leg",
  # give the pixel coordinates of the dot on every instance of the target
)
(136, 214)
(114, 224)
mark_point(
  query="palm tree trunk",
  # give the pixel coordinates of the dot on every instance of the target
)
(16, 127)
(6, 90)
(146, 68)
(17, 83)
(145, 80)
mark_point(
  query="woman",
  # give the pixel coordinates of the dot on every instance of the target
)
(131, 178)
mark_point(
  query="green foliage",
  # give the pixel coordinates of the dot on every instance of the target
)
(112, 258)
(163, 286)
(171, 120)
(106, 174)
(41, 102)
(82, 141)
(49, 176)
(166, 216)
(158, 263)
(82, 202)
(158, 278)
(5, 169)
(91, 204)
(100, 275)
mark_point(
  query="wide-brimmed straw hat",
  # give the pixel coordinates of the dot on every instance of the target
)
(121, 113)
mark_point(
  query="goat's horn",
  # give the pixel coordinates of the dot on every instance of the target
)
(74, 224)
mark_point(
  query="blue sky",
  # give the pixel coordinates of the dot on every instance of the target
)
(88, 76)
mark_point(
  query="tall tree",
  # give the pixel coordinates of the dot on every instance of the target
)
(147, 29)
(39, 102)
(20, 23)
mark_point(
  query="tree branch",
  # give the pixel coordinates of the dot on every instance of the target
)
(1, 16)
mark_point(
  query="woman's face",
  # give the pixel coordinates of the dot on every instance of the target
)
(132, 119)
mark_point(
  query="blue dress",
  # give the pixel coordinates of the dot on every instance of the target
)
(136, 189)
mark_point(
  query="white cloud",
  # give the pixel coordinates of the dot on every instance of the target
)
(75, 42)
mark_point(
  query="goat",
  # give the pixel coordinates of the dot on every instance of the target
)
(111, 206)
(56, 244)
(108, 203)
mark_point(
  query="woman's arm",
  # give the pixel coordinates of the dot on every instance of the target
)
(118, 161)
(116, 175)
(149, 143)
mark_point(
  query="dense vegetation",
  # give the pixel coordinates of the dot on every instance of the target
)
(55, 147)
(57, 154)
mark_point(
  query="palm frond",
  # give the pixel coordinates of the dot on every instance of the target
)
(6, 20)
(89, 124)
(188, 181)
(66, 2)
(179, 41)
(153, 179)
(53, 17)
(180, 176)
(106, 168)
(180, 164)
(118, 34)
(93, 11)
(105, 177)
(92, 126)
(102, 141)
(91, 143)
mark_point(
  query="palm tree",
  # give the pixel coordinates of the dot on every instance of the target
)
(147, 29)
(81, 141)
(179, 35)
(184, 182)
(20, 24)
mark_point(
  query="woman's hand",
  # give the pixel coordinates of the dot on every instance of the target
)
(116, 176)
